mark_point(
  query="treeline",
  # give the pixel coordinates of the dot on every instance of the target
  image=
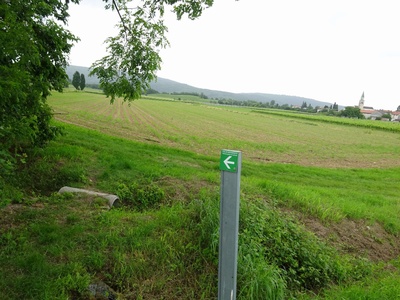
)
(201, 95)
(345, 120)
(332, 109)
(304, 107)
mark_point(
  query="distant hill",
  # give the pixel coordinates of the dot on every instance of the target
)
(163, 85)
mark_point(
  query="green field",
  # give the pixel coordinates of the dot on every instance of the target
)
(281, 150)
(319, 212)
(206, 129)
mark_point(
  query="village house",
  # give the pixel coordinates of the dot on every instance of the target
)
(395, 116)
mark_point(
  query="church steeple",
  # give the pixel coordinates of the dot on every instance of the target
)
(361, 103)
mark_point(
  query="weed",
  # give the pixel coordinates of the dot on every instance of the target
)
(140, 196)
(303, 262)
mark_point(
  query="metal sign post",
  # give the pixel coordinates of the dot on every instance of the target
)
(230, 166)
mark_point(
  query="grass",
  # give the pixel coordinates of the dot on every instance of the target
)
(139, 255)
(205, 129)
(387, 126)
(334, 194)
(161, 157)
(381, 284)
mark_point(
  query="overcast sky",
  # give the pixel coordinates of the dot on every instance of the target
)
(331, 50)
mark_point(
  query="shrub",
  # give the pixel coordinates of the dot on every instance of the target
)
(140, 196)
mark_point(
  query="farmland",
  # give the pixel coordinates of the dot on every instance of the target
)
(205, 129)
(319, 204)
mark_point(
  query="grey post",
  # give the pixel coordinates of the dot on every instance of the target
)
(230, 165)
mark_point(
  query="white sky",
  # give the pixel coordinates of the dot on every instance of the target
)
(328, 50)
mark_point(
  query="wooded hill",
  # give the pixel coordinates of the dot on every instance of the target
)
(163, 85)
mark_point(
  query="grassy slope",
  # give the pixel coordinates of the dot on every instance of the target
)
(150, 253)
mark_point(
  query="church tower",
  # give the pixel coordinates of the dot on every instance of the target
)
(361, 103)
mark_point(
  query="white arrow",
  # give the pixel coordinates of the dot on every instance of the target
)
(227, 162)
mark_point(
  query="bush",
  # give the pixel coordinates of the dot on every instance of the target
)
(140, 196)
(9, 194)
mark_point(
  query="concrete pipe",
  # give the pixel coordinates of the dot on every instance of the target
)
(113, 200)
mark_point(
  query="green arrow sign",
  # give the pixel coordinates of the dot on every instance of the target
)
(229, 160)
(231, 166)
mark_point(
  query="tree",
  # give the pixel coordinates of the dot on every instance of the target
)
(33, 57)
(387, 116)
(352, 112)
(133, 55)
(82, 83)
(76, 80)
(398, 108)
(34, 48)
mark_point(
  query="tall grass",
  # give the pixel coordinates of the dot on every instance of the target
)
(57, 251)
(276, 256)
